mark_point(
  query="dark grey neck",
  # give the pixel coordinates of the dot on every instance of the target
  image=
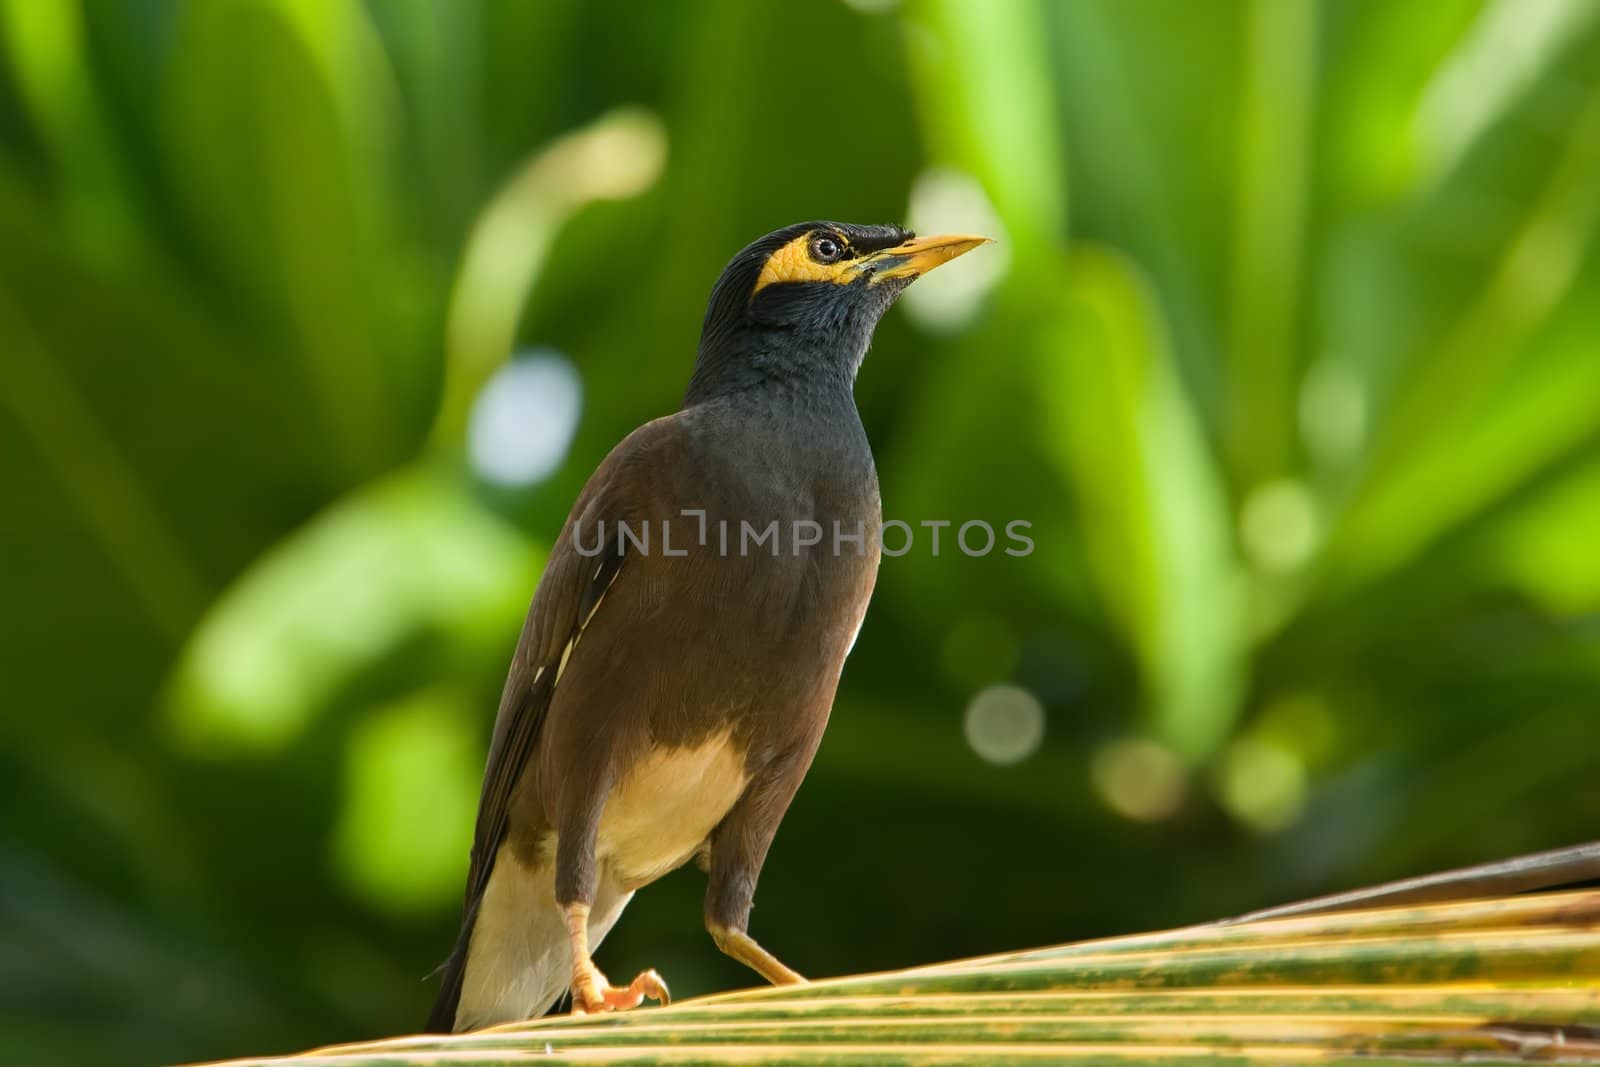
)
(778, 366)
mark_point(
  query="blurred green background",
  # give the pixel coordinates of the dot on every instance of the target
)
(315, 315)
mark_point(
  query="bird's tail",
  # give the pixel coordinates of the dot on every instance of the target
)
(511, 960)
(442, 1019)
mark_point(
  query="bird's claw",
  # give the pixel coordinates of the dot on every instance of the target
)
(593, 994)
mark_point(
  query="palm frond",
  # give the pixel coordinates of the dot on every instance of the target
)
(1500, 980)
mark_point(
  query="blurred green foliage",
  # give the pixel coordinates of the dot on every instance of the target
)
(1290, 353)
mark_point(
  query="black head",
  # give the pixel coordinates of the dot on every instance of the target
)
(800, 304)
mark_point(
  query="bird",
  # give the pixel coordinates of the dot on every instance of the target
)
(679, 660)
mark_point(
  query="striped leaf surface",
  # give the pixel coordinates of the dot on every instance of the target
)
(1506, 980)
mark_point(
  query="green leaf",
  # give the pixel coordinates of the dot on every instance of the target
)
(411, 777)
(1492, 981)
(1468, 345)
(1155, 511)
(278, 119)
(405, 558)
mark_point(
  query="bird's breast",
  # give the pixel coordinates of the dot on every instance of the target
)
(666, 804)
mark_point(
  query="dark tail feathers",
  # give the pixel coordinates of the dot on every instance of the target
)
(442, 1019)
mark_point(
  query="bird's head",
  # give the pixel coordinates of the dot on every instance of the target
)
(801, 303)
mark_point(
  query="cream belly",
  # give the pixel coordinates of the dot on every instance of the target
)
(664, 809)
(518, 964)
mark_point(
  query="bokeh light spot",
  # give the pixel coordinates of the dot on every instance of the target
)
(1004, 724)
(1262, 784)
(1333, 412)
(523, 421)
(1139, 779)
(1280, 526)
(944, 200)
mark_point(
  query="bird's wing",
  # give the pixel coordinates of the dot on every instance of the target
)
(568, 597)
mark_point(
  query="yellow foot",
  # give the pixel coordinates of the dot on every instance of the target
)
(592, 993)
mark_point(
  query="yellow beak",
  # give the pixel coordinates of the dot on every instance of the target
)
(917, 256)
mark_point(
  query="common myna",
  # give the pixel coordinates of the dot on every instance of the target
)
(680, 658)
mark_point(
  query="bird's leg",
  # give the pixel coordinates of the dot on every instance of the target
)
(576, 882)
(738, 849)
(591, 991)
(742, 947)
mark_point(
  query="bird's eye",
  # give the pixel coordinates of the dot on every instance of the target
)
(825, 249)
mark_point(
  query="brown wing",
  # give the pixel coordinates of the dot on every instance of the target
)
(568, 597)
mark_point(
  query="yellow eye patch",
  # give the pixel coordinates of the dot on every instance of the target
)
(793, 263)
